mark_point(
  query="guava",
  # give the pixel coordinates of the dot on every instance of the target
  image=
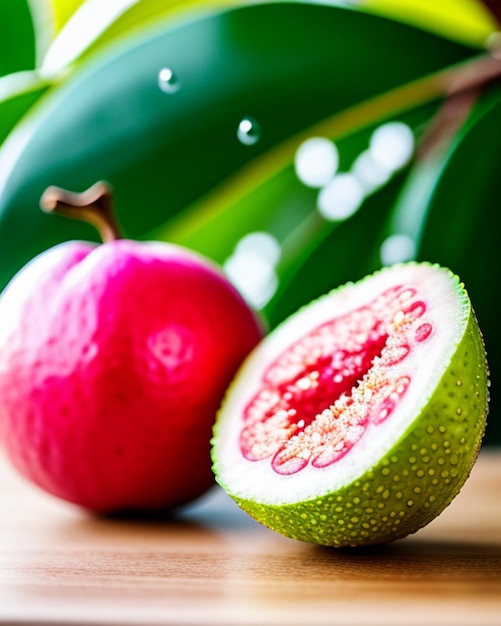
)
(359, 418)
(113, 362)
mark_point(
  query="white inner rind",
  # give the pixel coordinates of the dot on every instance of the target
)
(447, 310)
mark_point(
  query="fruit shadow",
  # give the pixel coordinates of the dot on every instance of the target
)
(211, 516)
(416, 558)
(214, 509)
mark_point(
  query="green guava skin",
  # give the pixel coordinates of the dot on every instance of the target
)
(416, 480)
(416, 476)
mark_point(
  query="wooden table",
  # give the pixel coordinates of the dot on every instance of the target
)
(215, 566)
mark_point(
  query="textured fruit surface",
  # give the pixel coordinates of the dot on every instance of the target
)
(358, 420)
(113, 362)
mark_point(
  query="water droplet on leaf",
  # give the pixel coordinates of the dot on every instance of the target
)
(249, 131)
(168, 81)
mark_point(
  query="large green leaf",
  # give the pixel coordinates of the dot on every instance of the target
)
(17, 38)
(66, 34)
(164, 151)
(19, 91)
(84, 27)
(465, 20)
(92, 26)
(63, 10)
(268, 196)
(462, 227)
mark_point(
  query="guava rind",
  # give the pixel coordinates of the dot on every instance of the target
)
(414, 481)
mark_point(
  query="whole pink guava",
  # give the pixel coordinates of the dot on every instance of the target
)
(114, 359)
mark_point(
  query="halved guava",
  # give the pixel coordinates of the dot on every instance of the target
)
(359, 418)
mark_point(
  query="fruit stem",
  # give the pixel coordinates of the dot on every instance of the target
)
(94, 205)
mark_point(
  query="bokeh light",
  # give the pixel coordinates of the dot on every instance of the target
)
(251, 267)
(316, 161)
(391, 146)
(397, 248)
(340, 198)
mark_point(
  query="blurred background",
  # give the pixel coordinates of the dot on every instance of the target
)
(300, 145)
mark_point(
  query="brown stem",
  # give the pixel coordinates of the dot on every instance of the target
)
(476, 73)
(462, 88)
(446, 123)
(94, 205)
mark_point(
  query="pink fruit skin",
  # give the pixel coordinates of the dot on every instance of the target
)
(113, 362)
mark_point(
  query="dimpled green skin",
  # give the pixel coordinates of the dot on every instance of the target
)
(415, 480)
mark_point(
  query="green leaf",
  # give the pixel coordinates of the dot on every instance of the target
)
(94, 26)
(468, 21)
(268, 196)
(164, 151)
(18, 93)
(63, 10)
(17, 39)
(462, 228)
(86, 27)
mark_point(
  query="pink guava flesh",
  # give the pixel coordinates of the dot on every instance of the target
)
(320, 395)
(113, 362)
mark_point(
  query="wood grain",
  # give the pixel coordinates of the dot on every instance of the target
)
(215, 566)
